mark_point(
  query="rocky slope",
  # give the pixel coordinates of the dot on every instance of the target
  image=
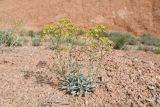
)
(130, 79)
(135, 16)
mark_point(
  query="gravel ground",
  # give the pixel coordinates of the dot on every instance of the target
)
(130, 79)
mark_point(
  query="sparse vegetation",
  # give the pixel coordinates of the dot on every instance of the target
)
(31, 33)
(7, 38)
(69, 41)
(126, 41)
(77, 84)
(122, 39)
(63, 30)
(81, 64)
(36, 42)
(148, 39)
(74, 42)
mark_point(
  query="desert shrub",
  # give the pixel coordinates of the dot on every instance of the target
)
(96, 36)
(65, 30)
(69, 42)
(120, 42)
(121, 39)
(148, 39)
(16, 42)
(31, 33)
(7, 38)
(61, 35)
(98, 46)
(36, 42)
(62, 30)
(77, 84)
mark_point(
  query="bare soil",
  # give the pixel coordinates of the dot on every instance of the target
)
(130, 79)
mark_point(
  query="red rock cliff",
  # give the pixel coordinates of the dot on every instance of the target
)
(135, 16)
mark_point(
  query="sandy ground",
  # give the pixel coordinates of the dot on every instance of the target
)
(130, 79)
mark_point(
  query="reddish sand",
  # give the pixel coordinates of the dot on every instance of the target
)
(130, 79)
